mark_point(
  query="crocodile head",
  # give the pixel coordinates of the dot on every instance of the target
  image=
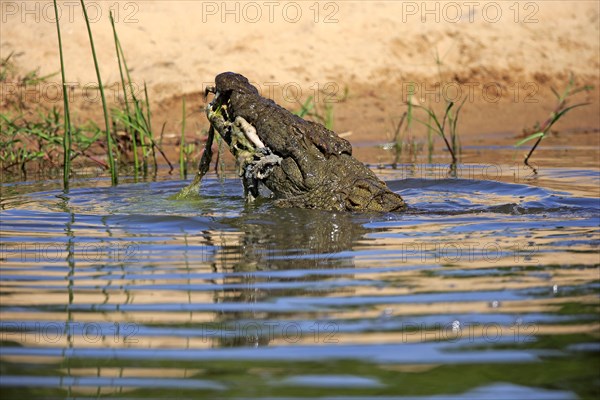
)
(301, 162)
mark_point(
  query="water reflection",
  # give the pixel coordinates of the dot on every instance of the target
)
(281, 240)
(141, 296)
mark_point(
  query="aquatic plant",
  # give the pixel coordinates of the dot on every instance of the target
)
(6, 67)
(444, 129)
(111, 161)
(559, 111)
(67, 117)
(322, 114)
(136, 118)
(125, 117)
(39, 138)
(182, 160)
(397, 143)
(405, 137)
(430, 141)
(136, 121)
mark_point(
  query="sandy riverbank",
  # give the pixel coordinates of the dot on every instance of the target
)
(504, 56)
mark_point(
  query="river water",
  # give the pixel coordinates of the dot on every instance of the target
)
(487, 288)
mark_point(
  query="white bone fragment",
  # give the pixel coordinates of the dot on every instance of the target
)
(249, 131)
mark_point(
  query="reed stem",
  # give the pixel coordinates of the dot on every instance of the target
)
(182, 164)
(111, 160)
(67, 117)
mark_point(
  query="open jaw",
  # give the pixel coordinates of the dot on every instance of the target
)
(254, 160)
(301, 163)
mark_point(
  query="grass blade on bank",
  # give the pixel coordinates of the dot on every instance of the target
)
(111, 160)
(67, 115)
(453, 120)
(125, 99)
(138, 121)
(440, 128)
(429, 141)
(149, 119)
(182, 163)
(138, 118)
(560, 110)
(398, 141)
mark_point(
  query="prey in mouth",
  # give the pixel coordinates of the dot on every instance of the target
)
(302, 163)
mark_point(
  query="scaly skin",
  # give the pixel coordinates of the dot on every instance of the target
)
(301, 162)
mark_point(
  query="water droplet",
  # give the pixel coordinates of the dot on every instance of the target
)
(455, 326)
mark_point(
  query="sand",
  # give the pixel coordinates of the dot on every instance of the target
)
(502, 55)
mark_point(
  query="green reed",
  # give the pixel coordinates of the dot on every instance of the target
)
(111, 160)
(324, 114)
(182, 163)
(137, 121)
(429, 141)
(126, 100)
(149, 121)
(559, 111)
(67, 117)
(446, 127)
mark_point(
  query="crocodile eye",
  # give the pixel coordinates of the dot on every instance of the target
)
(353, 203)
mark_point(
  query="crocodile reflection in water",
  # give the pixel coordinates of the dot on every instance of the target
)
(300, 162)
(281, 240)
